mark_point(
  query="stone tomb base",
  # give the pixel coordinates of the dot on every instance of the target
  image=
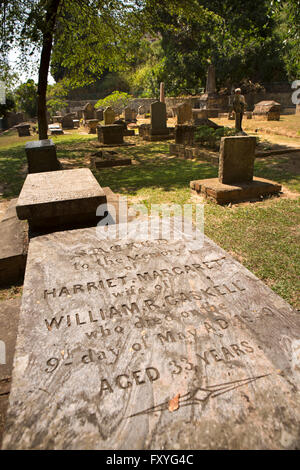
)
(13, 247)
(225, 193)
(110, 134)
(149, 344)
(9, 318)
(148, 134)
(107, 159)
(60, 200)
(41, 156)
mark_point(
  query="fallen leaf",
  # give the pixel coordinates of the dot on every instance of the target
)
(174, 403)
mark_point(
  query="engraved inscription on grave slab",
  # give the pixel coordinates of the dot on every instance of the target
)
(157, 344)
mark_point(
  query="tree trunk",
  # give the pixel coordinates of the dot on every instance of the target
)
(51, 13)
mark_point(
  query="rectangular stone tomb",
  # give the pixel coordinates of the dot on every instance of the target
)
(9, 317)
(41, 156)
(55, 129)
(13, 247)
(158, 344)
(60, 200)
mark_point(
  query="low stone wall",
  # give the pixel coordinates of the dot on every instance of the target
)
(284, 98)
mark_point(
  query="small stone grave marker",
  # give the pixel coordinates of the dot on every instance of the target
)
(109, 116)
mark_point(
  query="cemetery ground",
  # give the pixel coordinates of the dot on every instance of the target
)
(264, 236)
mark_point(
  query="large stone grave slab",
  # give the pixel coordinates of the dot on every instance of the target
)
(60, 200)
(158, 344)
(41, 156)
(13, 247)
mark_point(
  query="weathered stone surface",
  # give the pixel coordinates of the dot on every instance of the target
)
(92, 125)
(211, 80)
(236, 192)
(55, 129)
(13, 247)
(190, 152)
(88, 112)
(184, 113)
(41, 156)
(184, 134)
(237, 155)
(109, 116)
(162, 92)
(199, 114)
(62, 199)
(158, 118)
(129, 114)
(9, 318)
(153, 345)
(110, 134)
(23, 129)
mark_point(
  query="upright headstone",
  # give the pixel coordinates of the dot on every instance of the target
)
(67, 121)
(88, 112)
(170, 344)
(23, 129)
(109, 116)
(41, 156)
(184, 113)
(158, 118)
(111, 134)
(99, 114)
(162, 92)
